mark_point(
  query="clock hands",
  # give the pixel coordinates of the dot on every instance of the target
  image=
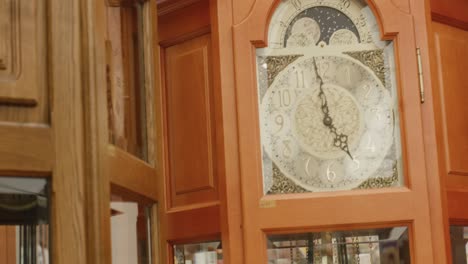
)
(340, 140)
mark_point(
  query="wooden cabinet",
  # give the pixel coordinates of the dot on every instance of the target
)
(190, 128)
(50, 71)
(190, 124)
(448, 58)
(161, 105)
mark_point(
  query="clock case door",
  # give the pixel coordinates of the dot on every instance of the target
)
(291, 213)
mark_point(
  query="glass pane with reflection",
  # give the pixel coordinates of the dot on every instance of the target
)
(126, 92)
(24, 220)
(131, 230)
(199, 253)
(459, 241)
(371, 246)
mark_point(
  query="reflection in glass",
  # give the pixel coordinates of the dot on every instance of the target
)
(126, 79)
(130, 231)
(201, 253)
(372, 246)
(459, 241)
(24, 221)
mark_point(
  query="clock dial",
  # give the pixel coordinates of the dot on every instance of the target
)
(327, 100)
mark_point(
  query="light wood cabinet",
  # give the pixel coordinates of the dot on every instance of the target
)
(160, 105)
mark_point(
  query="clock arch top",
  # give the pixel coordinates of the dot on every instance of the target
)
(256, 16)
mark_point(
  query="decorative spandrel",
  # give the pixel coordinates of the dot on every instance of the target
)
(328, 100)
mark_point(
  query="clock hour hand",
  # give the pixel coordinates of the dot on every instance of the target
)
(340, 140)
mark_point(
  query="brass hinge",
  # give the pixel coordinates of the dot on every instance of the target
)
(420, 75)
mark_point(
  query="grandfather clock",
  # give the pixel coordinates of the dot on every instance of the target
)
(332, 159)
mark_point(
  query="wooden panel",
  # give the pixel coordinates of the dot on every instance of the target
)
(431, 128)
(22, 51)
(130, 172)
(8, 244)
(80, 182)
(452, 12)
(169, 6)
(227, 138)
(26, 150)
(204, 222)
(177, 23)
(189, 121)
(457, 201)
(185, 43)
(451, 44)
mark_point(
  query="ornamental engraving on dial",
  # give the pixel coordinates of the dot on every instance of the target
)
(303, 147)
(308, 126)
(327, 100)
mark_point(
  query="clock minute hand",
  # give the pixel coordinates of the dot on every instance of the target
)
(340, 140)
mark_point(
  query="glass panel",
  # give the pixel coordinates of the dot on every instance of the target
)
(328, 100)
(459, 241)
(130, 231)
(372, 246)
(24, 220)
(126, 79)
(200, 253)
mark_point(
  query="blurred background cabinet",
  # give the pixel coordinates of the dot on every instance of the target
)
(448, 59)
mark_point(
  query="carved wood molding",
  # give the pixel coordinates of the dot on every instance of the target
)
(449, 21)
(179, 39)
(23, 51)
(124, 3)
(169, 6)
(26, 150)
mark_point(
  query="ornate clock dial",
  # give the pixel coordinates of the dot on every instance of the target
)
(302, 146)
(327, 99)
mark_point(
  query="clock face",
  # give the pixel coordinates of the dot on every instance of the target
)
(327, 100)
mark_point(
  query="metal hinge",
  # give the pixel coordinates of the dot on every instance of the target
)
(420, 75)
